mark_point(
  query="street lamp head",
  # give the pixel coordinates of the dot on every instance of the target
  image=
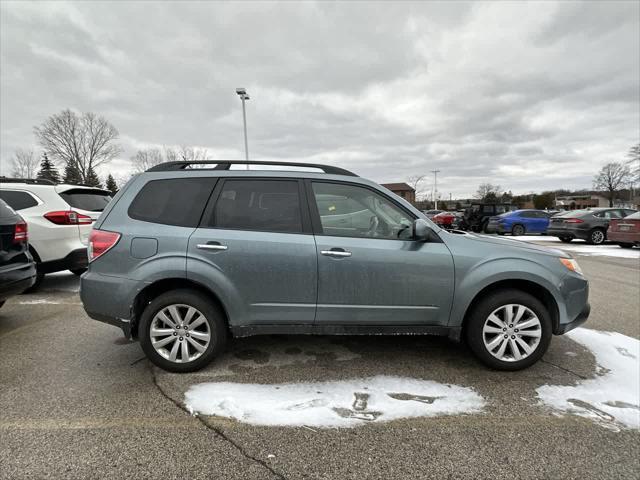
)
(241, 91)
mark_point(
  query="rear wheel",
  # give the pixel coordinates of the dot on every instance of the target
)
(597, 237)
(182, 331)
(626, 245)
(509, 330)
(517, 230)
(565, 239)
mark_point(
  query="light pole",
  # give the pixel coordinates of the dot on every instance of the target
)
(242, 93)
(435, 188)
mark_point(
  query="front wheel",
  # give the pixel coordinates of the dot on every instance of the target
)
(182, 331)
(597, 237)
(509, 330)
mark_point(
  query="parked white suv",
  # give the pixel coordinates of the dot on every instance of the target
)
(59, 219)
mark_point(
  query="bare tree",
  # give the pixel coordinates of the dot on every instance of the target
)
(86, 141)
(25, 164)
(611, 178)
(414, 182)
(488, 191)
(150, 157)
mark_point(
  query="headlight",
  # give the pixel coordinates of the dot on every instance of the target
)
(571, 264)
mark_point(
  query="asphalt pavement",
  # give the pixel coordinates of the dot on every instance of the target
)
(79, 401)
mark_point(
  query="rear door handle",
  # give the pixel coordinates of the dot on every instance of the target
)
(212, 246)
(336, 253)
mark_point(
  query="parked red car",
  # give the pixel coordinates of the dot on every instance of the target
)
(625, 231)
(444, 219)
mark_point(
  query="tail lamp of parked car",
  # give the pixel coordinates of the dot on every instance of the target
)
(573, 220)
(68, 217)
(100, 242)
(20, 234)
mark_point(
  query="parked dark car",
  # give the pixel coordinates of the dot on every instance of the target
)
(590, 225)
(476, 217)
(625, 232)
(519, 222)
(17, 268)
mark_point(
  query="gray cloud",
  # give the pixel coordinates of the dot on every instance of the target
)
(530, 96)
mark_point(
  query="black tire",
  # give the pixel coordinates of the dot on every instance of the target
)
(626, 245)
(214, 318)
(565, 239)
(2, 303)
(485, 227)
(518, 230)
(78, 271)
(597, 236)
(500, 233)
(476, 320)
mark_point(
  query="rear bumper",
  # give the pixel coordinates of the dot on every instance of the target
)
(568, 232)
(623, 237)
(579, 320)
(75, 260)
(17, 280)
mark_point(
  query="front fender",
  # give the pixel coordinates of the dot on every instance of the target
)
(490, 272)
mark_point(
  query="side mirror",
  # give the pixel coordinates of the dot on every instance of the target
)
(421, 230)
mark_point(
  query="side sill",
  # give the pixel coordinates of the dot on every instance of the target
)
(252, 330)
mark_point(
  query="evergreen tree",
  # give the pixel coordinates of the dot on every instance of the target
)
(111, 185)
(72, 174)
(92, 179)
(48, 170)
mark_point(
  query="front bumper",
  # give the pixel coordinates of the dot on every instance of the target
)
(579, 320)
(75, 260)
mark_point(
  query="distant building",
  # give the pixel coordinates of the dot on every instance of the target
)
(577, 202)
(402, 190)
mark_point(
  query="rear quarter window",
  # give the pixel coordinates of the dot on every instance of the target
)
(86, 199)
(175, 201)
(18, 200)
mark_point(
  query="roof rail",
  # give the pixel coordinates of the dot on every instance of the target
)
(226, 165)
(32, 181)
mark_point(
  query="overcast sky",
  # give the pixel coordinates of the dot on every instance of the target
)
(530, 96)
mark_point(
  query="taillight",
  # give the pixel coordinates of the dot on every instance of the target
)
(573, 220)
(100, 242)
(20, 234)
(68, 217)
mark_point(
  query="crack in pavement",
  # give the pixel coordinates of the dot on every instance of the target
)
(217, 431)
(564, 369)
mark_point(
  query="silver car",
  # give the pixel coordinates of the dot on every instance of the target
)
(183, 258)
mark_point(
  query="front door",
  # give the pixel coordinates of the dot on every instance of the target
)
(254, 247)
(370, 271)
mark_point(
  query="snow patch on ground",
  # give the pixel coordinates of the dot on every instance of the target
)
(39, 301)
(332, 404)
(581, 248)
(613, 397)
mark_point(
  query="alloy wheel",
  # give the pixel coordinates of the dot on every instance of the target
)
(511, 332)
(180, 333)
(597, 237)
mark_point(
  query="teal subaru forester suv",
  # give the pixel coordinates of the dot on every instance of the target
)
(190, 253)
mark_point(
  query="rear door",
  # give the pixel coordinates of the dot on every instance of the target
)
(373, 273)
(255, 248)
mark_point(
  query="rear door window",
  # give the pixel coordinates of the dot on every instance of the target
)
(258, 205)
(18, 200)
(86, 199)
(174, 201)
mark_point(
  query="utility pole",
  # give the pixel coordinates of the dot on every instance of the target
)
(242, 93)
(435, 188)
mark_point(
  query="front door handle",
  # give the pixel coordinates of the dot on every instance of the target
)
(336, 253)
(212, 246)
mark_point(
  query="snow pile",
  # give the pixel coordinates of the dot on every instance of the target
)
(613, 397)
(332, 404)
(602, 250)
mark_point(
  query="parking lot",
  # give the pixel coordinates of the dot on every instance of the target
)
(79, 401)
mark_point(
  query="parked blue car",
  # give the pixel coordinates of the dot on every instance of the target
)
(519, 222)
